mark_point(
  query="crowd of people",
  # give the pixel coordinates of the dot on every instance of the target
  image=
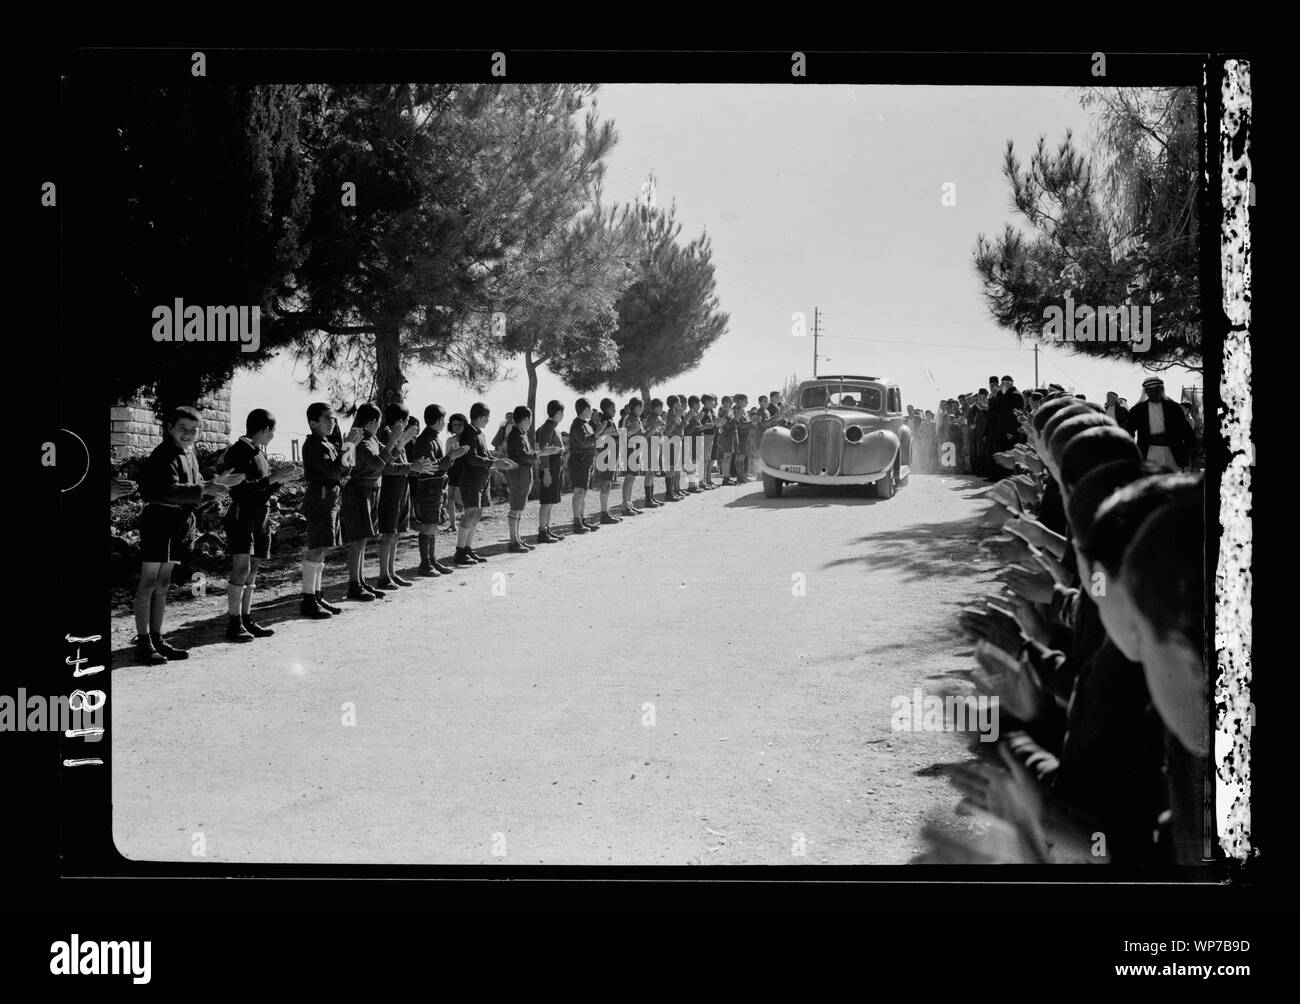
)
(1094, 644)
(390, 475)
(965, 432)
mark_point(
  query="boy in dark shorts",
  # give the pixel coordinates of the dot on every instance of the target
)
(744, 433)
(708, 429)
(171, 487)
(248, 520)
(690, 433)
(669, 453)
(550, 448)
(324, 469)
(361, 501)
(582, 454)
(606, 429)
(455, 426)
(427, 490)
(475, 469)
(654, 427)
(520, 480)
(394, 492)
(631, 424)
(727, 435)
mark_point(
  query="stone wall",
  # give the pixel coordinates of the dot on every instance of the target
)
(135, 429)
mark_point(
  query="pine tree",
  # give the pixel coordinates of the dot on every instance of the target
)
(668, 317)
(1130, 239)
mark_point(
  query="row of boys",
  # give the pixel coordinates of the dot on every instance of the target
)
(370, 483)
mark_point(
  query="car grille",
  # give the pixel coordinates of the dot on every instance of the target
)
(825, 441)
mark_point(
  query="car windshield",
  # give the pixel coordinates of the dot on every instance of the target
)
(841, 396)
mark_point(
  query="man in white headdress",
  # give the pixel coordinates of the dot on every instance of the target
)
(1163, 433)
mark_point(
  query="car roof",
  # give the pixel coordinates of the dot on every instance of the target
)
(848, 376)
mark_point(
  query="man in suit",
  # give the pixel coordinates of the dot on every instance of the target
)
(1163, 433)
(977, 417)
(1004, 408)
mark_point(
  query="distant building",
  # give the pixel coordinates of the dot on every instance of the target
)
(135, 428)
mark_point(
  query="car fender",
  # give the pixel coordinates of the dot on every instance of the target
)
(877, 451)
(777, 448)
(905, 442)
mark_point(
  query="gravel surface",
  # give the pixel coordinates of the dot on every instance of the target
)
(652, 693)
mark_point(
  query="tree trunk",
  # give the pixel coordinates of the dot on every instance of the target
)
(390, 384)
(645, 398)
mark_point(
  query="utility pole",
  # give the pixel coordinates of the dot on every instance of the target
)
(816, 329)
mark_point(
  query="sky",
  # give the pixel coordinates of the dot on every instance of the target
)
(826, 197)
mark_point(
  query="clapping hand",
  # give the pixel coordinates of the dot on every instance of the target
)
(227, 480)
(991, 626)
(1012, 681)
(1027, 529)
(996, 516)
(1008, 793)
(283, 474)
(120, 488)
(1005, 493)
(1028, 488)
(1030, 620)
(355, 435)
(1033, 585)
(1032, 460)
(1053, 567)
(1007, 549)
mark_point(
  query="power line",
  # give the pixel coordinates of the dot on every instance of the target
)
(941, 345)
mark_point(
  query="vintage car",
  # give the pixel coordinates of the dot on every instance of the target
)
(847, 430)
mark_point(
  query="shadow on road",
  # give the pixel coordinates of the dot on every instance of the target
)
(808, 497)
(920, 550)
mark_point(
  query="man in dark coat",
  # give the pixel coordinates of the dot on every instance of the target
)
(1161, 428)
(977, 417)
(1117, 411)
(1003, 411)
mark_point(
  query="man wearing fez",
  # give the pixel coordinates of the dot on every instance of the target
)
(1163, 433)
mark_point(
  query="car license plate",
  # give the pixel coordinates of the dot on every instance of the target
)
(794, 468)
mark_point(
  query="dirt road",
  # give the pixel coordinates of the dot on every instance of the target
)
(654, 693)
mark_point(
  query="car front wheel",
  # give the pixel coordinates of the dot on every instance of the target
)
(771, 486)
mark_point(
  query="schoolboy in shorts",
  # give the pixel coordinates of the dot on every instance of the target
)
(428, 487)
(606, 429)
(361, 501)
(519, 481)
(394, 515)
(248, 520)
(631, 425)
(325, 468)
(708, 429)
(456, 425)
(654, 428)
(550, 447)
(476, 468)
(171, 487)
(582, 455)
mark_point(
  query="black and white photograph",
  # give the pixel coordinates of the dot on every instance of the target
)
(696, 473)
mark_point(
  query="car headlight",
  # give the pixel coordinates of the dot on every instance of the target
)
(853, 434)
(799, 432)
